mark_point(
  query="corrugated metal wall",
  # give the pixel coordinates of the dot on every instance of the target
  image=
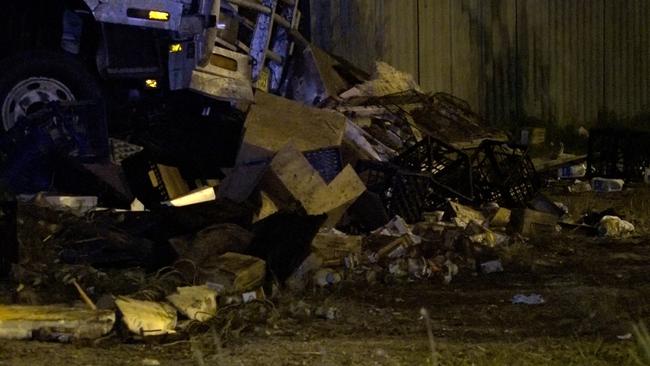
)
(366, 30)
(558, 61)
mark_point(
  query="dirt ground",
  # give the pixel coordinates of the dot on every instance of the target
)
(595, 290)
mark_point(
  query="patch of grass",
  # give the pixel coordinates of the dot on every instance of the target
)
(517, 257)
(592, 311)
(641, 353)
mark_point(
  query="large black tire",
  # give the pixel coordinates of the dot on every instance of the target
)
(62, 68)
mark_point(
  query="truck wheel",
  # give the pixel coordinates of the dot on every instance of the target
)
(31, 80)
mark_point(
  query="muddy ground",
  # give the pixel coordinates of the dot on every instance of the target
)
(595, 291)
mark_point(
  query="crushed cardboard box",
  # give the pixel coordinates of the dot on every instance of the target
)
(147, 318)
(273, 121)
(335, 245)
(463, 213)
(195, 302)
(530, 222)
(234, 272)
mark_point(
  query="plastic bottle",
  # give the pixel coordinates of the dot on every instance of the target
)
(607, 185)
(325, 277)
(573, 171)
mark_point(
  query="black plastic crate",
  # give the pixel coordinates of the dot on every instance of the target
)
(449, 167)
(398, 108)
(412, 114)
(403, 192)
(326, 161)
(616, 153)
(504, 174)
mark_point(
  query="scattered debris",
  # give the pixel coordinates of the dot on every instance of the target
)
(196, 302)
(500, 217)
(326, 277)
(532, 299)
(572, 172)
(532, 136)
(618, 153)
(56, 323)
(249, 296)
(614, 226)
(335, 247)
(530, 222)
(346, 177)
(147, 318)
(199, 195)
(233, 272)
(151, 182)
(327, 312)
(78, 205)
(491, 267)
(580, 187)
(463, 215)
(624, 337)
(299, 278)
(386, 80)
(206, 245)
(607, 185)
(542, 203)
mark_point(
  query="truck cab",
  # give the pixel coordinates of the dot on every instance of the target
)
(75, 50)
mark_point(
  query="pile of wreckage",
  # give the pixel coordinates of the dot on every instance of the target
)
(345, 178)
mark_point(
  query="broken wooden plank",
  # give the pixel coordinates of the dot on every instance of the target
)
(25, 322)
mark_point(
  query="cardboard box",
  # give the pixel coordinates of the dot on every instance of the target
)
(331, 246)
(273, 122)
(530, 222)
(235, 272)
(464, 213)
(292, 182)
